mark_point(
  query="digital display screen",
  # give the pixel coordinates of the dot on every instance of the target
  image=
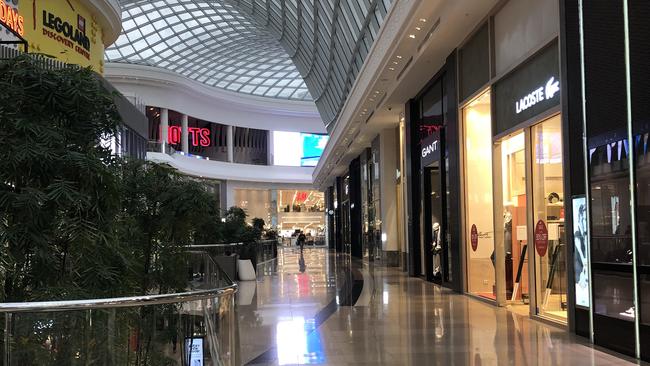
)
(194, 351)
(298, 149)
(581, 244)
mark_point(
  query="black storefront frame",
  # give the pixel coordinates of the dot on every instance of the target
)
(450, 176)
(608, 119)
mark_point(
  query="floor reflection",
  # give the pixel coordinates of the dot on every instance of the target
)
(278, 312)
(298, 342)
(293, 318)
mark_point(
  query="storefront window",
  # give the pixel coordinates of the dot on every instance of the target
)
(548, 205)
(479, 221)
(642, 162)
(513, 235)
(611, 234)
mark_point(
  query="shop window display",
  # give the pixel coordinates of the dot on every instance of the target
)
(611, 233)
(514, 235)
(548, 205)
(479, 221)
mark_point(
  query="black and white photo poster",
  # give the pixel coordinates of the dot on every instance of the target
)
(581, 245)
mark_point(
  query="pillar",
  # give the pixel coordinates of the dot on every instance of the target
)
(231, 146)
(164, 128)
(184, 135)
(388, 164)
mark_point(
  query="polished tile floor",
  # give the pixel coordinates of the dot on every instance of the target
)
(291, 317)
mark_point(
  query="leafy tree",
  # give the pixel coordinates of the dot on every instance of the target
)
(78, 223)
(237, 230)
(58, 190)
(162, 213)
(258, 224)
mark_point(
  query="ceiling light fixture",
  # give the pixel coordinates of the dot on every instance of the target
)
(411, 35)
(399, 57)
(423, 20)
(418, 28)
(391, 68)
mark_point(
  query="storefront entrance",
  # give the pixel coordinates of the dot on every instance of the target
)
(530, 255)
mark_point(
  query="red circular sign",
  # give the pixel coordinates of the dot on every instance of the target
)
(541, 238)
(474, 238)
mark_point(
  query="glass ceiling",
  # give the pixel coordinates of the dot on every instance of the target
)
(259, 47)
(207, 41)
(327, 39)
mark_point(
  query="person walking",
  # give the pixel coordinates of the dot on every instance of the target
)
(301, 241)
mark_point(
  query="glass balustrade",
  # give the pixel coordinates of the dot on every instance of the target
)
(193, 328)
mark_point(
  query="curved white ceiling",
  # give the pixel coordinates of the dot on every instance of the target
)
(208, 41)
(290, 49)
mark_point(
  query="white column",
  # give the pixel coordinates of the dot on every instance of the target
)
(164, 129)
(184, 135)
(388, 160)
(230, 142)
(270, 149)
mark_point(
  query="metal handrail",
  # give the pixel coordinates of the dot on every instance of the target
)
(116, 302)
(224, 245)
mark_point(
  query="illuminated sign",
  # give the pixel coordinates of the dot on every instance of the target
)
(197, 136)
(66, 29)
(63, 32)
(430, 150)
(538, 95)
(10, 18)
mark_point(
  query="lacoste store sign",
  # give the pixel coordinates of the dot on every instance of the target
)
(530, 89)
(538, 95)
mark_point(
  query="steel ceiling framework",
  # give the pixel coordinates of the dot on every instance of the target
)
(289, 49)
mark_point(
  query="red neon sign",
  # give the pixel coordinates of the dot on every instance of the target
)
(197, 136)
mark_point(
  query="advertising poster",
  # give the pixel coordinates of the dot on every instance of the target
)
(313, 146)
(298, 149)
(194, 351)
(581, 245)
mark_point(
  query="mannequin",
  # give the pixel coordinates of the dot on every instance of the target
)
(436, 248)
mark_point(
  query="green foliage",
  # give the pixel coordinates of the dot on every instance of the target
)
(58, 190)
(258, 223)
(79, 223)
(236, 230)
(162, 213)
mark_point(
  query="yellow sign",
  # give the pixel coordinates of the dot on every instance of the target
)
(64, 29)
(11, 19)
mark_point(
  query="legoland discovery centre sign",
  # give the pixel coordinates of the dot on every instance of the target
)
(64, 29)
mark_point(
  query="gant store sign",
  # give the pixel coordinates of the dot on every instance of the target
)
(430, 149)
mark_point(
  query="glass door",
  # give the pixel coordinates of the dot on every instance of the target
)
(511, 223)
(548, 219)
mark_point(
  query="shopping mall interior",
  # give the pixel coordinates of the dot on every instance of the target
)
(324, 182)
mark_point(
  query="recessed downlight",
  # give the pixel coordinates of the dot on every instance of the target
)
(411, 35)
